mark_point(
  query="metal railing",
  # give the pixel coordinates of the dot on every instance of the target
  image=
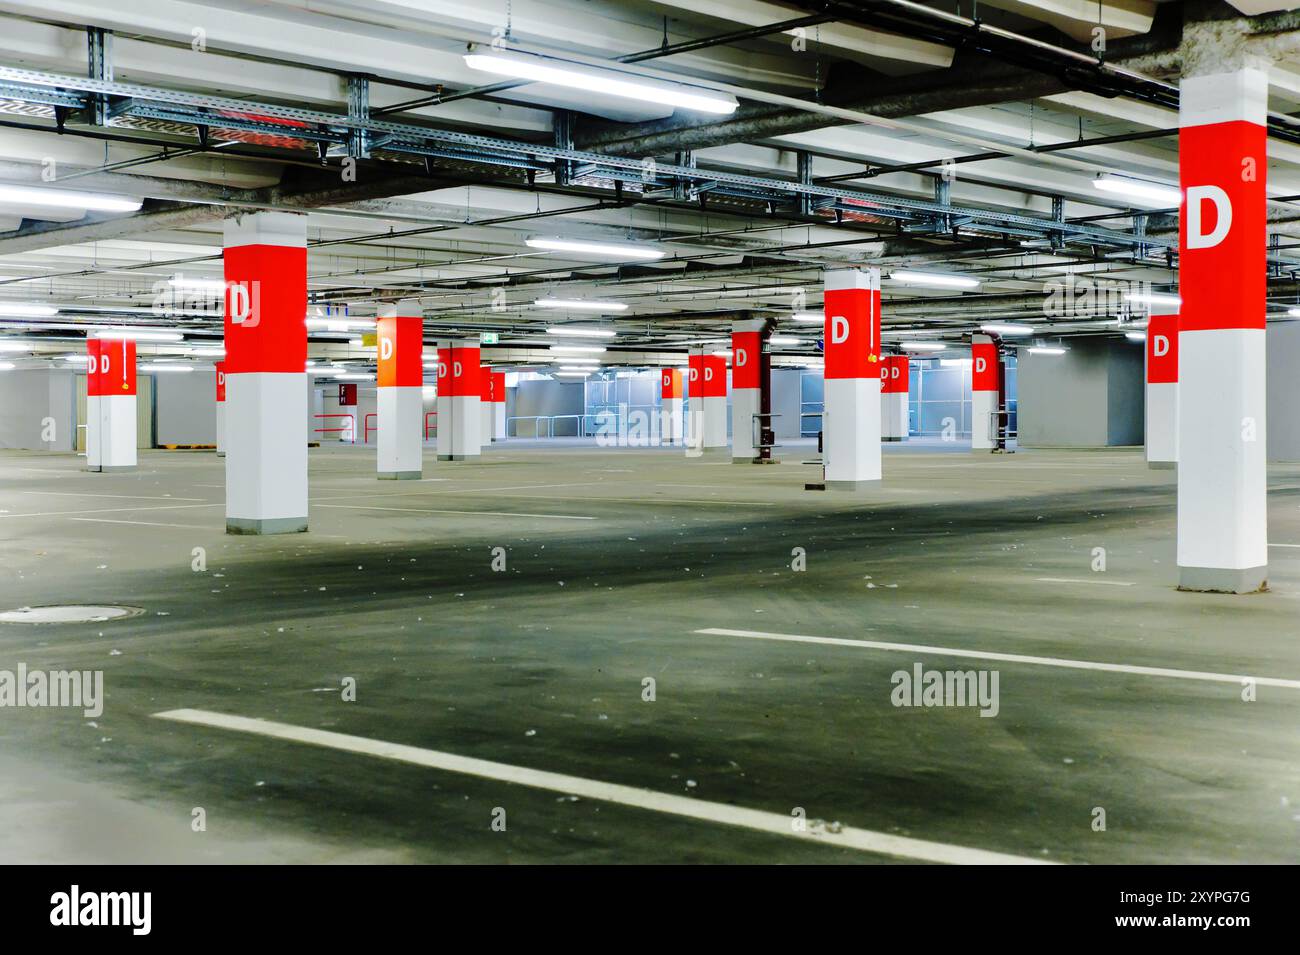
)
(349, 433)
(366, 429)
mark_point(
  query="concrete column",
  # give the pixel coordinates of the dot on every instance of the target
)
(399, 400)
(492, 403)
(746, 387)
(670, 406)
(893, 398)
(266, 377)
(983, 391)
(459, 386)
(221, 408)
(851, 422)
(1162, 389)
(110, 405)
(498, 406)
(713, 402)
(1222, 508)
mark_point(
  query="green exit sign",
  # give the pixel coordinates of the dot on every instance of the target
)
(488, 338)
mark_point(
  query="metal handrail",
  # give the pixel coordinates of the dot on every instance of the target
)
(365, 427)
(350, 429)
(427, 416)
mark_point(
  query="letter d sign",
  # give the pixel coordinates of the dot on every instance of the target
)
(980, 366)
(741, 358)
(1196, 196)
(839, 330)
(1160, 346)
(456, 371)
(386, 349)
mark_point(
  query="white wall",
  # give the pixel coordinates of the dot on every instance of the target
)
(185, 407)
(30, 396)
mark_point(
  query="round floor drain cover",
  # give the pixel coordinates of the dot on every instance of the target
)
(68, 613)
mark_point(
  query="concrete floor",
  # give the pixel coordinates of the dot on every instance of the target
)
(616, 559)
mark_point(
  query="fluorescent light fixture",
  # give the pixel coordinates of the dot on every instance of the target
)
(1152, 298)
(781, 340)
(583, 349)
(6, 366)
(609, 250)
(1136, 336)
(582, 332)
(338, 324)
(1006, 328)
(67, 198)
(349, 376)
(16, 346)
(137, 334)
(208, 351)
(1293, 312)
(721, 353)
(572, 374)
(954, 362)
(606, 82)
(586, 368)
(23, 310)
(201, 285)
(808, 318)
(76, 359)
(936, 279)
(1046, 350)
(922, 346)
(1152, 193)
(170, 368)
(580, 305)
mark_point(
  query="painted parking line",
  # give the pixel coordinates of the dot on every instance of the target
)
(1008, 657)
(1284, 545)
(1084, 580)
(107, 520)
(434, 510)
(864, 840)
(125, 497)
(112, 510)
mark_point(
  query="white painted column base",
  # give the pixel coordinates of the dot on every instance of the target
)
(459, 421)
(221, 429)
(266, 453)
(893, 417)
(1222, 462)
(852, 445)
(982, 406)
(670, 428)
(399, 446)
(744, 405)
(498, 421)
(1162, 424)
(110, 433)
(714, 423)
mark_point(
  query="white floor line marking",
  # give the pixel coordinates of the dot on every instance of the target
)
(458, 490)
(113, 510)
(594, 499)
(1009, 658)
(1284, 545)
(771, 823)
(434, 510)
(1085, 580)
(106, 520)
(135, 497)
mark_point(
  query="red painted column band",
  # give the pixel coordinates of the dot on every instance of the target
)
(1162, 349)
(851, 334)
(265, 313)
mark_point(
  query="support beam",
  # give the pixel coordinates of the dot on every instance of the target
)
(1222, 507)
(851, 422)
(399, 444)
(266, 374)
